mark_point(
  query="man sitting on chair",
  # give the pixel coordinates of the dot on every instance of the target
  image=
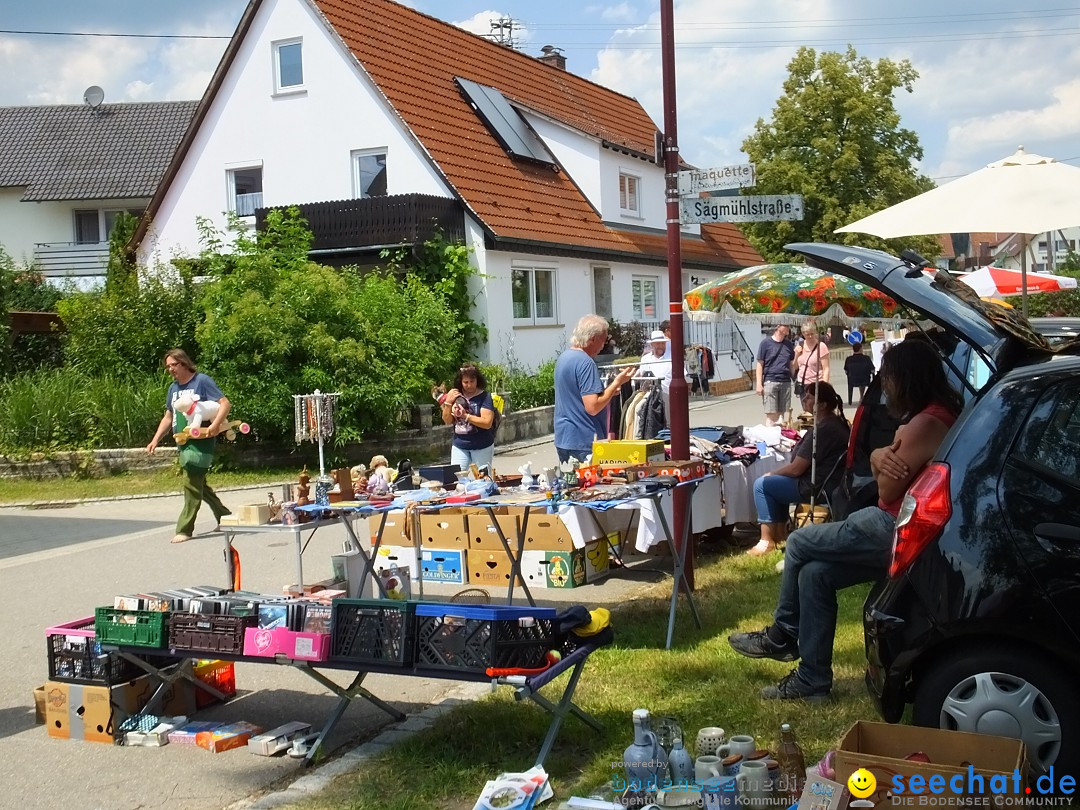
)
(821, 560)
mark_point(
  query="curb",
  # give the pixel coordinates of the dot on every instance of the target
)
(316, 780)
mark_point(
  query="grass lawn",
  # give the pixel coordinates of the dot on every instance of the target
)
(140, 482)
(700, 682)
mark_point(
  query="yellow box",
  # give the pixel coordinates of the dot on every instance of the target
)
(489, 568)
(622, 451)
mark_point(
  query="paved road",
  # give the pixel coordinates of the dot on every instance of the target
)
(58, 564)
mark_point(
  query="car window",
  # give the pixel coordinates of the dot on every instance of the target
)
(1052, 436)
(978, 372)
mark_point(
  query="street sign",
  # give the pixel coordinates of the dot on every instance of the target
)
(854, 336)
(752, 208)
(718, 179)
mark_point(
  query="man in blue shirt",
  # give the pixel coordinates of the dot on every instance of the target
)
(773, 373)
(581, 399)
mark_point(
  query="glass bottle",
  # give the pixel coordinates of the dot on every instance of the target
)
(792, 764)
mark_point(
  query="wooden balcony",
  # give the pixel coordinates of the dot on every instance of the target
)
(346, 226)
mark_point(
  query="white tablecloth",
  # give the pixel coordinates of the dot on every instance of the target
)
(739, 486)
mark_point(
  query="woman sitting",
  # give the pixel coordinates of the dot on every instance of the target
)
(775, 492)
(469, 408)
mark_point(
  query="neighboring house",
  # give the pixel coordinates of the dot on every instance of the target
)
(66, 172)
(1005, 249)
(384, 124)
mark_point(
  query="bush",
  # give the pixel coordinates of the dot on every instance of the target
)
(526, 389)
(278, 325)
(125, 331)
(65, 409)
(23, 289)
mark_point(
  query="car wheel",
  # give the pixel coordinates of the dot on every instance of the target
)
(1010, 695)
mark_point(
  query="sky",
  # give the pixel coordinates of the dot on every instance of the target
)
(991, 77)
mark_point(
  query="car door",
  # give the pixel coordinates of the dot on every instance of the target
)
(1039, 493)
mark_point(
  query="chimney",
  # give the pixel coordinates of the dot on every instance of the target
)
(553, 56)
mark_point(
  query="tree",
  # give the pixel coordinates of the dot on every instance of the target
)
(835, 137)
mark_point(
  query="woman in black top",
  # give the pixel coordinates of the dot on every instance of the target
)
(470, 409)
(775, 492)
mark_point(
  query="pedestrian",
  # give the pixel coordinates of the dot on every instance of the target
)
(775, 491)
(665, 329)
(581, 399)
(773, 373)
(657, 361)
(859, 370)
(196, 455)
(468, 406)
(822, 559)
(811, 359)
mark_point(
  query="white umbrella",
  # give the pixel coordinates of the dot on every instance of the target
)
(995, 282)
(1024, 194)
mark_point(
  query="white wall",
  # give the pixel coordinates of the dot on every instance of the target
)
(25, 224)
(303, 140)
(578, 153)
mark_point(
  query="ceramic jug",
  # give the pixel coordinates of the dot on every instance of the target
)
(680, 765)
(644, 760)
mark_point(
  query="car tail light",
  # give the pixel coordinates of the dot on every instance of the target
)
(926, 509)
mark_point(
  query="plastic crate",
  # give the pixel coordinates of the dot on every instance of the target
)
(209, 632)
(134, 628)
(219, 674)
(473, 638)
(75, 656)
(373, 631)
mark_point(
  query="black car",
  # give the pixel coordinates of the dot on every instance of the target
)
(977, 624)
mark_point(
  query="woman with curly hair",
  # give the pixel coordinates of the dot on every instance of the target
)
(470, 409)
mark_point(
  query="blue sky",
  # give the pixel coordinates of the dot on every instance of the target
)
(991, 77)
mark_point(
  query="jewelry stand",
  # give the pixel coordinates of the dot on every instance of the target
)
(314, 417)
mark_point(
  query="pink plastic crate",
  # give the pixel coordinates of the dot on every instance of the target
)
(263, 643)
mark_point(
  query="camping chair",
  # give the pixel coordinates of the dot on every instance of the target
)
(819, 510)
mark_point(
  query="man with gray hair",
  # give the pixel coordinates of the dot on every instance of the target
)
(772, 372)
(581, 400)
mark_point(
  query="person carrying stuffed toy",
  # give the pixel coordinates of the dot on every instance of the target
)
(196, 455)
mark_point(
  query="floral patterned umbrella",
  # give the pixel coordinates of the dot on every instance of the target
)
(776, 293)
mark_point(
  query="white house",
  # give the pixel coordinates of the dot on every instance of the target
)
(382, 123)
(67, 172)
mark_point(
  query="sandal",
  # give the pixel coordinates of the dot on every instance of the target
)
(761, 548)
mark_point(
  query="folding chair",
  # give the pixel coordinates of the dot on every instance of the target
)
(819, 510)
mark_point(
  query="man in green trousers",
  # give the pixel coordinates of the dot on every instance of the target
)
(196, 455)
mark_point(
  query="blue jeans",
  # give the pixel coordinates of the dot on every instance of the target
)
(819, 561)
(580, 454)
(481, 457)
(773, 495)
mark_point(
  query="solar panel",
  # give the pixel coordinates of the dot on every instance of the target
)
(505, 123)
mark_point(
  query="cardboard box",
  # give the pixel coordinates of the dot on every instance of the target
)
(483, 536)
(227, 737)
(405, 558)
(534, 568)
(249, 514)
(39, 705)
(294, 645)
(83, 712)
(881, 748)
(490, 568)
(621, 451)
(186, 734)
(683, 470)
(393, 533)
(444, 565)
(447, 528)
(277, 739)
(546, 532)
(565, 569)
(597, 561)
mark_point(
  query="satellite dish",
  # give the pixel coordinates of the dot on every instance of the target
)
(93, 96)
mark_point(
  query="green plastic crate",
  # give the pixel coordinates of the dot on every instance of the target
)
(136, 628)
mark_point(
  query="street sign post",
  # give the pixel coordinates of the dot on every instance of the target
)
(751, 208)
(720, 178)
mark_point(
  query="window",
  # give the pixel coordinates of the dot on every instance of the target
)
(94, 225)
(533, 294)
(369, 173)
(643, 291)
(1052, 437)
(288, 66)
(628, 193)
(245, 190)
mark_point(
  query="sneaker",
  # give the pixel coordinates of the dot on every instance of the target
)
(758, 644)
(792, 687)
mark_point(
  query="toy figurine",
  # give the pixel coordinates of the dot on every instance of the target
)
(379, 476)
(303, 491)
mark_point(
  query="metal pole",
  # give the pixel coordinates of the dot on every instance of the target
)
(318, 429)
(679, 400)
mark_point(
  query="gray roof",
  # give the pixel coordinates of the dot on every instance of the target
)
(70, 152)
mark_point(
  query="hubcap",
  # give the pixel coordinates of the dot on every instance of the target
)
(1009, 706)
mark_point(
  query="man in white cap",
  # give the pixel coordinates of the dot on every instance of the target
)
(657, 361)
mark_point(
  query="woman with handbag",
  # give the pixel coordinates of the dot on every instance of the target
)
(775, 492)
(811, 362)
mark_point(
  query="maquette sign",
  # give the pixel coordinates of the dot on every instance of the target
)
(717, 179)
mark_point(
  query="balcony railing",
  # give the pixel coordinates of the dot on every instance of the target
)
(60, 259)
(342, 225)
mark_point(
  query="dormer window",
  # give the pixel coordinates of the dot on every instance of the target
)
(288, 66)
(629, 198)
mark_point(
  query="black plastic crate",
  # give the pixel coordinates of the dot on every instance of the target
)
(373, 631)
(209, 632)
(75, 656)
(473, 638)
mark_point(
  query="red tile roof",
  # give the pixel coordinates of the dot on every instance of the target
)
(413, 59)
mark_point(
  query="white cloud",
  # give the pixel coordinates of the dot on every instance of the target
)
(620, 12)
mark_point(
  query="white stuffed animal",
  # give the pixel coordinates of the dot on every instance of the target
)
(196, 411)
